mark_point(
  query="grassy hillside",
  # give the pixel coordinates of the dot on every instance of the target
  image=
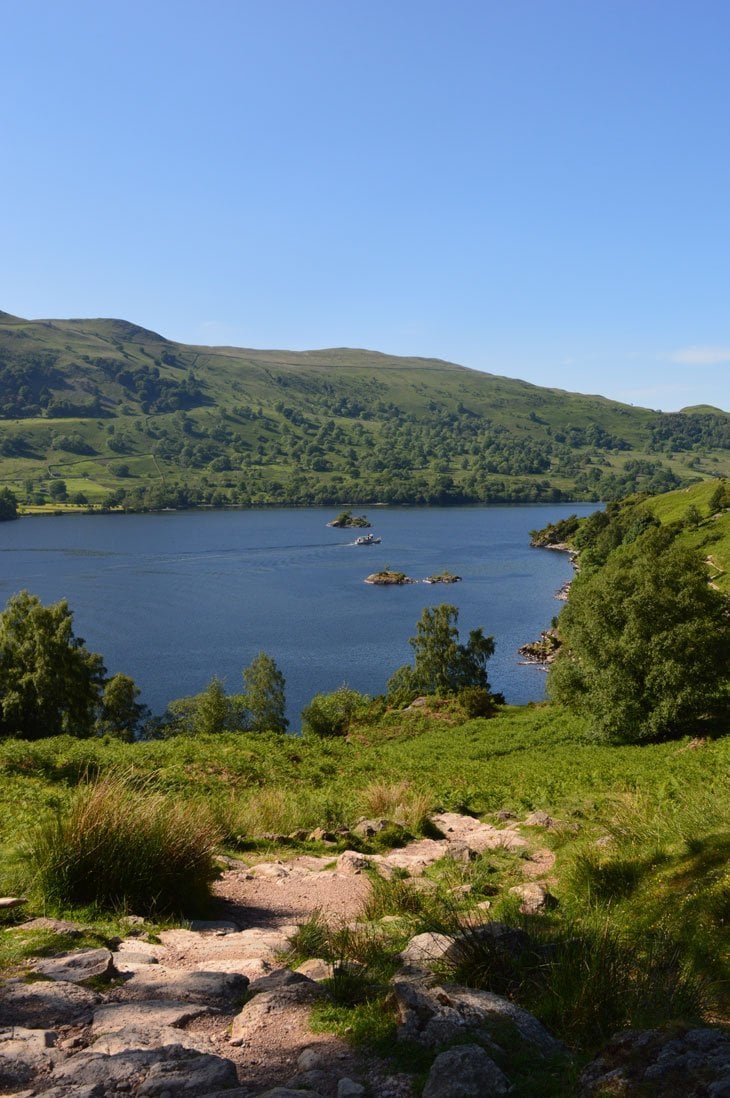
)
(639, 835)
(95, 411)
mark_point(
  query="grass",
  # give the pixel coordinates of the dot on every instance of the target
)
(122, 847)
(637, 937)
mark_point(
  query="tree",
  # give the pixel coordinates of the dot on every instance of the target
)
(49, 681)
(442, 665)
(204, 714)
(264, 695)
(645, 643)
(330, 714)
(8, 505)
(57, 490)
(121, 714)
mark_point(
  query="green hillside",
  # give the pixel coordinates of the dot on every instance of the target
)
(105, 412)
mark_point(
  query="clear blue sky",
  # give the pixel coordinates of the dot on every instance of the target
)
(537, 188)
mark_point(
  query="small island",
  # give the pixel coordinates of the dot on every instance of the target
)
(443, 577)
(388, 578)
(346, 519)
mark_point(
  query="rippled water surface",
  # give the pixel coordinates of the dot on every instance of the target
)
(173, 599)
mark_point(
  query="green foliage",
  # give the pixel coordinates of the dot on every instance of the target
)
(331, 714)
(646, 644)
(8, 505)
(49, 682)
(265, 698)
(121, 715)
(206, 714)
(332, 427)
(118, 847)
(442, 665)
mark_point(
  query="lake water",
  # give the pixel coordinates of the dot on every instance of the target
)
(173, 599)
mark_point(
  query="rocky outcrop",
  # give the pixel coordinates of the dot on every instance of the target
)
(693, 1063)
(387, 578)
(465, 1072)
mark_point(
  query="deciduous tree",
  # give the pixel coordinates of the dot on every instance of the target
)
(645, 643)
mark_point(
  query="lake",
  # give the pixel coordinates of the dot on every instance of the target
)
(173, 599)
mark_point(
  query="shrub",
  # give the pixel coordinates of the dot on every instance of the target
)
(330, 714)
(118, 847)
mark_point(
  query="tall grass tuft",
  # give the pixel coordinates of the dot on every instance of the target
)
(124, 847)
(397, 801)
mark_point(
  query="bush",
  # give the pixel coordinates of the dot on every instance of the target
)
(118, 847)
(330, 714)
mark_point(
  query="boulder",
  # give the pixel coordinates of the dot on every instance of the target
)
(465, 1072)
(534, 898)
(76, 968)
(540, 819)
(220, 989)
(424, 949)
(150, 1016)
(693, 1062)
(315, 969)
(148, 1073)
(366, 829)
(254, 1013)
(439, 1015)
(7, 903)
(45, 1004)
(23, 1054)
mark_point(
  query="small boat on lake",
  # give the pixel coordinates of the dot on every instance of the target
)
(367, 539)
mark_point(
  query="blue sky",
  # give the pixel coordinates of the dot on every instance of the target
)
(537, 188)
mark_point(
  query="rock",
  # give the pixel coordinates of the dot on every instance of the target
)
(149, 1016)
(540, 819)
(310, 1059)
(505, 814)
(149, 1073)
(273, 1002)
(317, 1079)
(7, 903)
(348, 1088)
(287, 1092)
(269, 869)
(478, 836)
(132, 920)
(45, 1004)
(424, 949)
(279, 978)
(246, 944)
(319, 835)
(465, 1072)
(58, 926)
(75, 968)
(352, 863)
(148, 1036)
(215, 988)
(315, 969)
(213, 926)
(534, 896)
(460, 852)
(23, 1054)
(367, 828)
(439, 1015)
(128, 960)
(666, 1063)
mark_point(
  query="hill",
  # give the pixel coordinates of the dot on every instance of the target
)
(104, 411)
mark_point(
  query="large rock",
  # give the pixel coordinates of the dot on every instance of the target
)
(255, 1012)
(76, 968)
(465, 1072)
(45, 1004)
(693, 1063)
(221, 989)
(439, 1015)
(23, 1054)
(148, 1073)
(115, 1017)
(534, 897)
(424, 949)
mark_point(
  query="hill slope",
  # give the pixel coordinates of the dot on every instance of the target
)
(104, 406)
